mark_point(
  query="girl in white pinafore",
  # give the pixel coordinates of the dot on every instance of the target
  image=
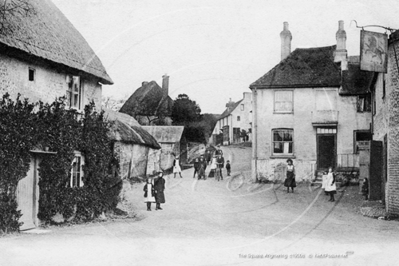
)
(213, 167)
(149, 193)
(176, 167)
(331, 187)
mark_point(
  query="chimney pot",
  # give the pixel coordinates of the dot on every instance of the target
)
(286, 38)
(341, 54)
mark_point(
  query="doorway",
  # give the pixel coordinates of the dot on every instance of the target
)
(326, 151)
(28, 197)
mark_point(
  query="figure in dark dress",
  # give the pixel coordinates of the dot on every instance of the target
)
(159, 187)
(290, 180)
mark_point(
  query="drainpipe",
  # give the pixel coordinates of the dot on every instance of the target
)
(255, 135)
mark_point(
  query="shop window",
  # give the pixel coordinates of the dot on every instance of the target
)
(361, 138)
(283, 141)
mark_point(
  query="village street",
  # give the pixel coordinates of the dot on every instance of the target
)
(229, 222)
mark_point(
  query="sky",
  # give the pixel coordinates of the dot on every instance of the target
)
(212, 49)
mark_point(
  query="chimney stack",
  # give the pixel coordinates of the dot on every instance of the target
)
(286, 38)
(165, 85)
(341, 54)
(230, 105)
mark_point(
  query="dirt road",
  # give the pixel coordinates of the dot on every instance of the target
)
(231, 222)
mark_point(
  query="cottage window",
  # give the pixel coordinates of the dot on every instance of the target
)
(74, 93)
(283, 101)
(31, 74)
(238, 118)
(242, 107)
(76, 175)
(364, 103)
(283, 141)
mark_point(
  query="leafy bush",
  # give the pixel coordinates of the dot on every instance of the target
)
(26, 126)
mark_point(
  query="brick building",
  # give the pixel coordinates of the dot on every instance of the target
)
(384, 178)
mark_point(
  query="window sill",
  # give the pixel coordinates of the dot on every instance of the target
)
(283, 156)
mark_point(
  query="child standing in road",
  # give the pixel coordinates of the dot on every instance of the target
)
(149, 193)
(331, 187)
(228, 167)
(365, 189)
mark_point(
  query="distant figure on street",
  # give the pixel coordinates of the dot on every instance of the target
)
(228, 167)
(213, 167)
(208, 157)
(176, 166)
(218, 151)
(220, 166)
(149, 193)
(331, 187)
(290, 179)
(324, 182)
(365, 188)
(196, 166)
(201, 168)
(159, 187)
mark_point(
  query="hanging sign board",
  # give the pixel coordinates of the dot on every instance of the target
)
(373, 51)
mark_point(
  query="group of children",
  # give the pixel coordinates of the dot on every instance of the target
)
(216, 165)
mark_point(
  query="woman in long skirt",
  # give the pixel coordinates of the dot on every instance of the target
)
(290, 179)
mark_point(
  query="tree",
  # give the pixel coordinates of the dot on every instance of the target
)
(112, 103)
(10, 8)
(185, 110)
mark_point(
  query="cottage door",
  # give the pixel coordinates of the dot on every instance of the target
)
(27, 197)
(376, 170)
(325, 151)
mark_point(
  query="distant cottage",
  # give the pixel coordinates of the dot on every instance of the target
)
(235, 120)
(150, 104)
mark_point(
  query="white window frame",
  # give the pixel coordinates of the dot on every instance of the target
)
(75, 93)
(76, 174)
(286, 143)
(276, 102)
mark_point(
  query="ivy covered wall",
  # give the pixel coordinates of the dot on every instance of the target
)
(26, 126)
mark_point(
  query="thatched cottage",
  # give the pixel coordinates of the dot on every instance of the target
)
(132, 144)
(150, 104)
(43, 57)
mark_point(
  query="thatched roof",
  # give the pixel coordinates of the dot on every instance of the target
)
(149, 100)
(47, 34)
(128, 130)
(310, 67)
(166, 134)
(354, 80)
